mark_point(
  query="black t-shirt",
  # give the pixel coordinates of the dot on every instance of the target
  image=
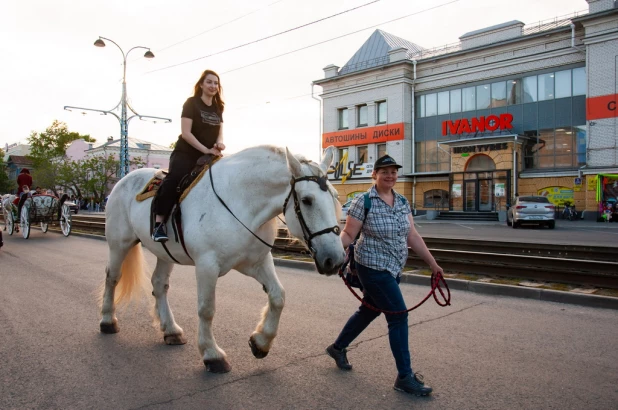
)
(206, 123)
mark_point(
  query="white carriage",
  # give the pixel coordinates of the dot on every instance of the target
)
(43, 209)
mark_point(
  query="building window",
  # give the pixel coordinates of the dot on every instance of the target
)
(431, 105)
(381, 150)
(482, 97)
(343, 118)
(361, 155)
(419, 106)
(579, 81)
(361, 119)
(381, 106)
(546, 87)
(530, 89)
(343, 155)
(443, 103)
(468, 99)
(498, 94)
(435, 198)
(563, 84)
(559, 148)
(431, 158)
(455, 101)
(513, 91)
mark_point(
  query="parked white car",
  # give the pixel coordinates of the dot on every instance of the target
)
(536, 210)
(344, 210)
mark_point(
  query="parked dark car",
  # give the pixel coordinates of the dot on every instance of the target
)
(533, 210)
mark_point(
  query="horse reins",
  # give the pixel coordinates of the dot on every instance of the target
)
(435, 284)
(307, 235)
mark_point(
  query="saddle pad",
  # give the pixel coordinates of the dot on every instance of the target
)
(150, 189)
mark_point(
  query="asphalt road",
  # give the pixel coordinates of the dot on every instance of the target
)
(482, 352)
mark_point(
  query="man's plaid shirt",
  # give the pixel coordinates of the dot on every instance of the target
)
(383, 243)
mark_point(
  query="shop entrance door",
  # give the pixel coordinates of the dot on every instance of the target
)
(485, 194)
(478, 195)
(470, 196)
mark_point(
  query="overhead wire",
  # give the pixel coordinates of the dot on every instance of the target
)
(264, 38)
(219, 26)
(338, 37)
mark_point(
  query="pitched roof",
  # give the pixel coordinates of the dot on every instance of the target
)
(374, 52)
(19, 159)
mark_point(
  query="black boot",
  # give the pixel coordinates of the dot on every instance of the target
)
(340, 356)
(159, 234)
(413, 384)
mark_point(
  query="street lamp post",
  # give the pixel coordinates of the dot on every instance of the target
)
(123, 104)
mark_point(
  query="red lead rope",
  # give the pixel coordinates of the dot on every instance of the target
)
(435, 284)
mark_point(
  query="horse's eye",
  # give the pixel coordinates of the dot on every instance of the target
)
(307, 201)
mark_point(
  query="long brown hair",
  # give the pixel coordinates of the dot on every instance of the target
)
(197, 89)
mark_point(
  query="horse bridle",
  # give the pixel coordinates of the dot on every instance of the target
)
(307, 235)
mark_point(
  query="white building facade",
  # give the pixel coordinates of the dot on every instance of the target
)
(510, 109)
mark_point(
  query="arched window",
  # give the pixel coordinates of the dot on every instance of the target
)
(435, 198)
(480, 163)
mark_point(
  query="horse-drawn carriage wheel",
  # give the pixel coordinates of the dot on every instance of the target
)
(44, 226)
(24, 221)
(65, 220)
(9, 223)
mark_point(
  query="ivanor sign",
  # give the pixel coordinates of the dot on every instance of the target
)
(480, 124)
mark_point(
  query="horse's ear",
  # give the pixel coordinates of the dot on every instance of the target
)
(293, 164)
(327, 158)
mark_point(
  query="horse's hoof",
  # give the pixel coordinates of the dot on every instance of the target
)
(175, 340)
(217, 366)
(110, 328)
(259, 354)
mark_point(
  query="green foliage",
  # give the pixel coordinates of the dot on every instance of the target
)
(6, 185)
(48, 150)
(53, 142)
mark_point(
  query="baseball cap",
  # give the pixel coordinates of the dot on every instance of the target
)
(385, 161)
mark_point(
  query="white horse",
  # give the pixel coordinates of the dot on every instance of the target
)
(257, 184)
(5, 202)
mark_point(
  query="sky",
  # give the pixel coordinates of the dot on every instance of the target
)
(48, 60)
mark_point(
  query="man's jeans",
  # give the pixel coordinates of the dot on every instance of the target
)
(381, 290)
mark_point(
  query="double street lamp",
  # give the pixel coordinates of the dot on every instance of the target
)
(123, 104)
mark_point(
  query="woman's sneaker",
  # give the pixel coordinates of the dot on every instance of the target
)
(412, 384)
(159, 234)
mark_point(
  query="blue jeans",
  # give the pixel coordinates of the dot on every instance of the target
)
(381, 290)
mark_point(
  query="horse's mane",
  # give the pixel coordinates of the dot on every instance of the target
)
(313, 167)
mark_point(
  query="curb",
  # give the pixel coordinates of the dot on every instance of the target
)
(494, 289)
(546, 295)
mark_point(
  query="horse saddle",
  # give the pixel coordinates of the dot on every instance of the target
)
(186, 183)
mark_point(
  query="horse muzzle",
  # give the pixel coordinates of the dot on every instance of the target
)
(329, 264)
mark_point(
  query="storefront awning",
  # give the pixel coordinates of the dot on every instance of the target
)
(489, 139)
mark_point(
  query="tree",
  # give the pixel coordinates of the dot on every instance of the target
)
(48, 151)
(54, 141)
(6, 185)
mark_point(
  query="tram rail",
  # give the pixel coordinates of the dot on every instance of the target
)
(572, 264)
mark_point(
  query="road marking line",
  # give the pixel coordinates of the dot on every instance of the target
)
(465, 226)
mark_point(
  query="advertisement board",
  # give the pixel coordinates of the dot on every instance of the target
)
(557, 195)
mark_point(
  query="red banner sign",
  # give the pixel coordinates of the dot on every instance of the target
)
(480, 124)
(364, 136)
(601, 107)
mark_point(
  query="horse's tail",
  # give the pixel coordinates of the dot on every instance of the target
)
(133, 280)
